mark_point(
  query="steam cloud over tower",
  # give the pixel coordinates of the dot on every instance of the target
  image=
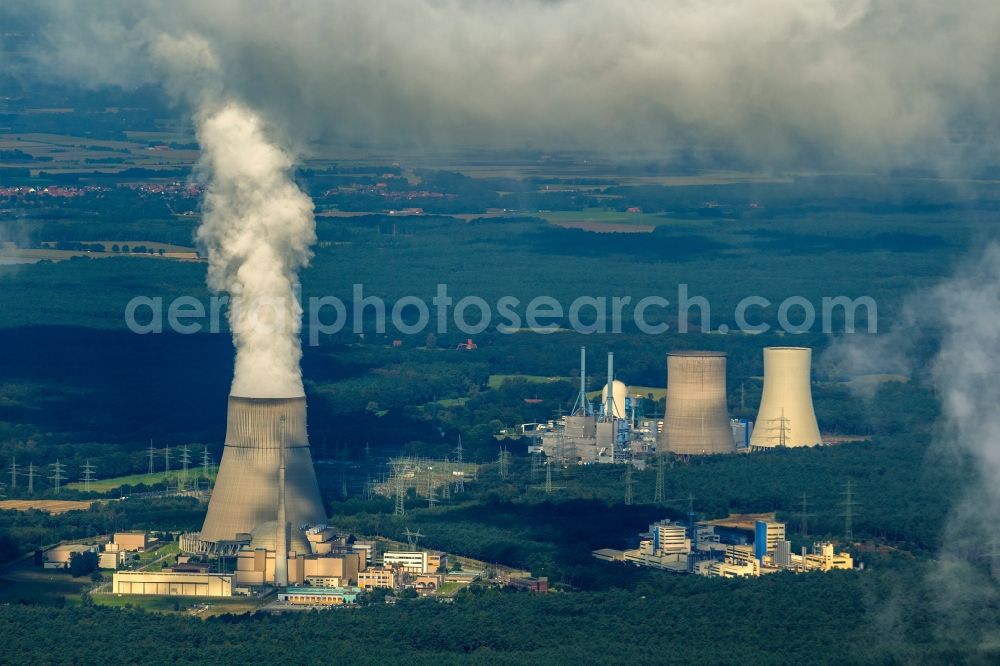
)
(786, 416)
(246, 489)
(697, 419)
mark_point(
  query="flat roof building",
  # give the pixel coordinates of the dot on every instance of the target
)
(319, 596)
(129, 541)
(409, 561)
(172, 583)
(370, 579)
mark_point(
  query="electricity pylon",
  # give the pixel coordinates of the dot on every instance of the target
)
(166, 460)
(400, 489)
(206, 463)
(185, 461)
(152, 454)
(413, 538)
(660, 478)
(782, 428)
(88, 475)
(502, 463)
(57, 474)
(31, 478)
(628, 484)
(849, 512)
(804, 516)
(13, 472)
(548, 476)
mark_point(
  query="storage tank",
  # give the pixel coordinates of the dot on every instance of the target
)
(246, 489)
(697, 418)
(618, 393)
(786, 416)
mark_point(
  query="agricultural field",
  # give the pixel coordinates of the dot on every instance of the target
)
(130, 481)
(50, 506)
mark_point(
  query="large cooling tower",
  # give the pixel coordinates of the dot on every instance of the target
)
(246, 488)
(697, 419)
(786, 416)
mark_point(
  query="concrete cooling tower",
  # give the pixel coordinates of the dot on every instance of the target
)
(246, 489)
(786, 416)
(697, 419)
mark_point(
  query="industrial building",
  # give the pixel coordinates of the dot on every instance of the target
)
(316, 554)
(173, 583)
(129, 541)
(697, 417)
(699, 548)
(767, 535)
(319, 596)
(530, 584)
(60, 557)
(786, 416)
(375, 577)
(612, 432)
(414, 562)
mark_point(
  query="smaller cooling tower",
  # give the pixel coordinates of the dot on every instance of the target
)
(697, 419)
(786, 416)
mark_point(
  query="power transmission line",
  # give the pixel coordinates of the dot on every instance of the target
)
(13, 472)
(166, 460)
(548, 476)
(152, 453)
(31, 478)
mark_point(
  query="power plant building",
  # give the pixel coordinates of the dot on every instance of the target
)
(697, 418)
(786, 416)
(173, 583)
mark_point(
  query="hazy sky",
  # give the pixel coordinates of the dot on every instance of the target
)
(842, 81)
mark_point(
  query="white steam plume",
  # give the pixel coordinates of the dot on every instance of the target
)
(257, 225)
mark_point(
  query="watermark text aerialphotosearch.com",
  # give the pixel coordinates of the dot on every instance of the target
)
(471, 315)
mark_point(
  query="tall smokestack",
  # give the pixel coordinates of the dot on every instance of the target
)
(247, 488)
(281, 538)
(609, 397)
(697, 419)
(786, 416)
(582, 406)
